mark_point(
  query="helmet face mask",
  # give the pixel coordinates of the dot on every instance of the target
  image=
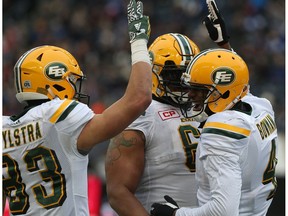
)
(76, 82)
(47, 72)
(221, 76)
(170, 54)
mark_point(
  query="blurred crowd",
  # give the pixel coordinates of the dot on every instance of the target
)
(95, 32)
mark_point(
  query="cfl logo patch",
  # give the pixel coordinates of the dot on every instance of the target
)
(55, 71)
(27, 84)
(223, 76)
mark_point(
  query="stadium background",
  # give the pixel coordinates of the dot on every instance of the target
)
(95, 32)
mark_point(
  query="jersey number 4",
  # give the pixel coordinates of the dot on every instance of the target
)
(269, 174)
(51, 175)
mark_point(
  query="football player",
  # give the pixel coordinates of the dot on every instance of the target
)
(237, 151)
(155, 154)
(44, 148)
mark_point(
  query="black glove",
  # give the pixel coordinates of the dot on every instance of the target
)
(164, 209)
(138, 24)
(215, 24)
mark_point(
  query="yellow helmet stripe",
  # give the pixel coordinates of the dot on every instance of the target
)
(186, 49)
(61, 113)
(242, 132)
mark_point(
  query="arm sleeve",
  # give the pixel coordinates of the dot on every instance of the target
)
(221, 145)
(225, 185)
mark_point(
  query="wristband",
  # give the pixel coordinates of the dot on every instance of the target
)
(139, 51)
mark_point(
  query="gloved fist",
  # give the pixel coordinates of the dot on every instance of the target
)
(138, 24)
(215, 24)
(164, 209)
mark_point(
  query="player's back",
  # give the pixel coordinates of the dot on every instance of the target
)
(171, 142)
(246, 137)
(258, 167)
(255, 150)
(43, 172)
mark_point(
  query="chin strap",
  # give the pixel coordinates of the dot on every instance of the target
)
(201, 117)
(51, 92)
(238, 98)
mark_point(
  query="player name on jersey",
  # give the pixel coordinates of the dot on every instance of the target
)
(21, 135)
(266, 126)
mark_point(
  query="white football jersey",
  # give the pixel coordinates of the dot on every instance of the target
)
(170, 147)
(43, 172)
(236, 159)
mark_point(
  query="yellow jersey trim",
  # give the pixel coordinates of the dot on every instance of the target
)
(228, 127)
(59, 111)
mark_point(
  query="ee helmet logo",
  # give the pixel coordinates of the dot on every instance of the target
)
(55, 71)
(223, 76)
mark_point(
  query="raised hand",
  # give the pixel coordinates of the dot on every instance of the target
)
(215, 24)
(138, 24)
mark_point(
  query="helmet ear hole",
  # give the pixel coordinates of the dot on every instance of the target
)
(59, 88)
(226, 94)
(169, 63)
